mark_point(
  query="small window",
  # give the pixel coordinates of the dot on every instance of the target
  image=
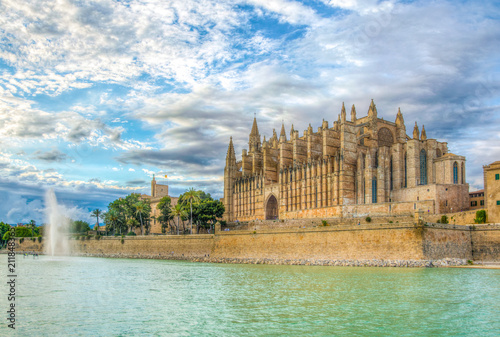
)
(498, 202)
(497, 176)
(481, 202)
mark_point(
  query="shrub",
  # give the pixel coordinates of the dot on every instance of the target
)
(439, 221)
(122, 240)
(22, 232)
(39, 239)
(444, 219)
(131, 234)
(21, 240)
(325, 223)
(469, 262)
(390, 221)
(480, 216)
(368, 219)
(255, 232)
(33, 239)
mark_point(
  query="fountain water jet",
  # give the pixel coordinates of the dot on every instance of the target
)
(58, 226)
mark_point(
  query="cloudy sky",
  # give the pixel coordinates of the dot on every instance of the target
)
(97, 96)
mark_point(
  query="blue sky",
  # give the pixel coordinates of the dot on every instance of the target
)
(97, 96)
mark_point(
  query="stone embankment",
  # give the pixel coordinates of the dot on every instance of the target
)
(297, 262)
(340, 263)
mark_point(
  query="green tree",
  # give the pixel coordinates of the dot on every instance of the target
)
(480, 216)
(32, 225)
(132, 223)
(112, 220)
(79, 226)
(165, 207)
(140, 208)
(191, 196)
(125, 209)
(22, 232)
(6, 236)
(4, 228)
(96, 213)
(179, 212)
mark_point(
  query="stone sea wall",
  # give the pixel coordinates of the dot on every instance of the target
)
(345, 245)
(332, 242)
(486, 242)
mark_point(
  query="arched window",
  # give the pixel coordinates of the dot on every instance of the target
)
(455, 173)
(423, 167)
(374, 190)
(376, 159)
(385, 137)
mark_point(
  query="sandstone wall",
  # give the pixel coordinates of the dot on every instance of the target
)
(394, 241)
(446, 241)
(460, 218)
(486, 243)
(344, 242)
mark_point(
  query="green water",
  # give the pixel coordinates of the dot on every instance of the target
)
(119, 297)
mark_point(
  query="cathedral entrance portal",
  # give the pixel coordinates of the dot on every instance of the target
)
(272, 208)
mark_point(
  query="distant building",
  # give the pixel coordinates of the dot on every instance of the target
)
(357, 167)
(476, 199)
(158, 191)
(492, 191)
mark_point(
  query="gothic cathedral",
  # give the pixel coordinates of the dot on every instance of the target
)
(356, 168)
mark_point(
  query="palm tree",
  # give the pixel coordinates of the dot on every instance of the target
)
(139, 209)
(113, 218)
(132, 222)
(178, 211)
(32, 224)
(96, 213)
(192, 196)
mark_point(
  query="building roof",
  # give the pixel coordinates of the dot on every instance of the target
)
(476, 192)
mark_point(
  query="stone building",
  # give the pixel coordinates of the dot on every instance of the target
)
(357, 167)
(158, 191)
(492, 191)
(476, 200)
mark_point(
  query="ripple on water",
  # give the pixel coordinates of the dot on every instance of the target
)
(119, 297)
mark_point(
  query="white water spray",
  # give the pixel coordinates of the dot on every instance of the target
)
(58, 226)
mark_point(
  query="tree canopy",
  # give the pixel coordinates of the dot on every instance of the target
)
(79, 226)
(206, 210)
(125, 214)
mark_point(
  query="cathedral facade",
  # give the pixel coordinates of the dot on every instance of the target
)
(354, 168)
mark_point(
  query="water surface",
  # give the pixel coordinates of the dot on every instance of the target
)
(119, 297)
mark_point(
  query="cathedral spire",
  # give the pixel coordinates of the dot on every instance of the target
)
(255, 129)
(423, 135)
(353, 113)
(415, 131)
(342, 113)
(231, 155)
(254, 141)
(372, 110)
(400, 122)
(292, 132)
(282, 133)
